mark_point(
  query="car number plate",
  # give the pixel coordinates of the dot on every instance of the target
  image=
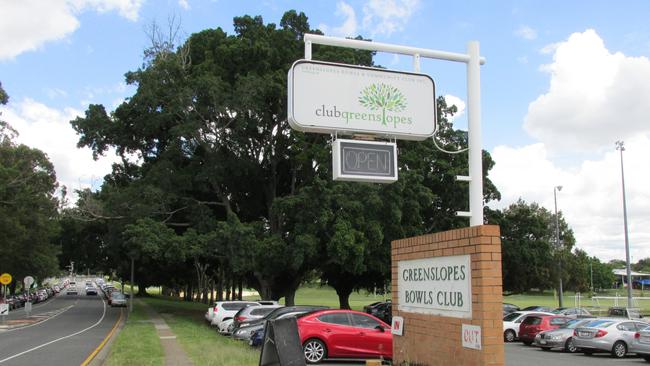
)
(584, 334)
(542, 341)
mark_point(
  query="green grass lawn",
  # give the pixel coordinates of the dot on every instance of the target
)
(202, 343)
(137, 343)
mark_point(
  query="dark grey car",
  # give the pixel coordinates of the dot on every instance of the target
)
(246, 329)
(561, 337)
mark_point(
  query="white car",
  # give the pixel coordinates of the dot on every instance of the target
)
(512, 321)
(226, 326)
(224, 310)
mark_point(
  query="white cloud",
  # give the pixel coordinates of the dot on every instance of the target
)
(349, 26)
(49, 130)
(184, 4)
(526, 32)
(459, 103)
(387, 16)
(595, 97)
(591, 197)
(27, 24)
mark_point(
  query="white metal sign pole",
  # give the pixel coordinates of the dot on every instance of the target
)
(474, 130)
(473, 61)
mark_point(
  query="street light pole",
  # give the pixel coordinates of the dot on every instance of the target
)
(557, 242)
(621, 148)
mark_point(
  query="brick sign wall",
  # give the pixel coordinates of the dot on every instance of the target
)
(440, 327)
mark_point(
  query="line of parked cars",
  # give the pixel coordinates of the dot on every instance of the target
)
(35, 296)
(324, 333)
(621, 332)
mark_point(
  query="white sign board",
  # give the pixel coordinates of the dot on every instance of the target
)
(437, 286)
(364, 161)
(327, 97)
(471, 335)
(4, 309)
(29, 280)
(397, 326)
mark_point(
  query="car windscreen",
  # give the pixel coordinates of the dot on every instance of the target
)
(118, 297)
(261, 311)
(598, 324)
(572, 324)
(236, 305)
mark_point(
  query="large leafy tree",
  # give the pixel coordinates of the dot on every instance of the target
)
(530, 255)
(28, 208)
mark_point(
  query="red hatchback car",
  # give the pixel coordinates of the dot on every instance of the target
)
(534, 324)
(344, 334)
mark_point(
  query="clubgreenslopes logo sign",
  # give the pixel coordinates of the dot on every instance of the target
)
(325, 97)
(384, 97)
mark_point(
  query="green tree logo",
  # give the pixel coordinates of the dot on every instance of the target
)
(384, 97)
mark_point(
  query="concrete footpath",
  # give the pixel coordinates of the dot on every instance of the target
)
(174, 353)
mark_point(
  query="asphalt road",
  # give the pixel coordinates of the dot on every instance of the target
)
(517, 354)
(67, 338)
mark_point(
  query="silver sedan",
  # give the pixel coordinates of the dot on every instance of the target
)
(641, 344)
(607, 335)
(561, 337)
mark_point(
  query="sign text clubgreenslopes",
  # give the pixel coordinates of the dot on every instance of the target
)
(437, 286)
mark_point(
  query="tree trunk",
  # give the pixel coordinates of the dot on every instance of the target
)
(234, 289)
(241, 288)
(142, 289)
(228, 287)
(344, 297)
(220, 286)
(211, 291)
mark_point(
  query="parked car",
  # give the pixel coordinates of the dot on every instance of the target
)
(534, 324)
(382, 310)
(573, 312)
(561, 337)
(622, 312)
(641, 344)
(118, 299)
(607, 335)
(91, 290)
(343, 334)
(538, 308)
(225, 327)
(509, 308)
(257, 338)
(224, 310)
(512, 322)
(72, 289)
(247, 328)
(250, 313)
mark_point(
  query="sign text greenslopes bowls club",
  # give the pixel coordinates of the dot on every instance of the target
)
(437, 286)
(326, 97)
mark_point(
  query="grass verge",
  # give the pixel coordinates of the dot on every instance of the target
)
(203, 344)
(137, 343)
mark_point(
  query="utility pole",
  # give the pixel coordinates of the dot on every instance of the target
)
(621, 148)
(557, 243)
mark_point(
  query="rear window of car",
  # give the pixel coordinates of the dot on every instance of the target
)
(510, 317)
(532, 320)
(261, 311)
(235, 305)
(558, 321)
(599, 324)
(335, 318)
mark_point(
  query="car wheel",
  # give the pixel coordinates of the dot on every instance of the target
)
(509, 335)
(314, 350)
(647, 358)
(619, 350)
(570, 346)
(528, 343)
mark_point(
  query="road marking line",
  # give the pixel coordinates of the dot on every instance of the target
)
(167, 337)
(101, 345)
(58, 339)
(42, 321)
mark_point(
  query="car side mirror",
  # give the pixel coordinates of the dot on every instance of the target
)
(380, 328)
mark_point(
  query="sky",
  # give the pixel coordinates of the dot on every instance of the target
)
(562, 82)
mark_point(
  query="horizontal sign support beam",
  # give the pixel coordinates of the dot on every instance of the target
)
(463, 178)
(385, 47)
(463, 213)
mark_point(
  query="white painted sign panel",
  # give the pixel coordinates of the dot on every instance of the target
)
(397, 325)
(437, 286)
(4, 309)
(471, 335)
(327, 97)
